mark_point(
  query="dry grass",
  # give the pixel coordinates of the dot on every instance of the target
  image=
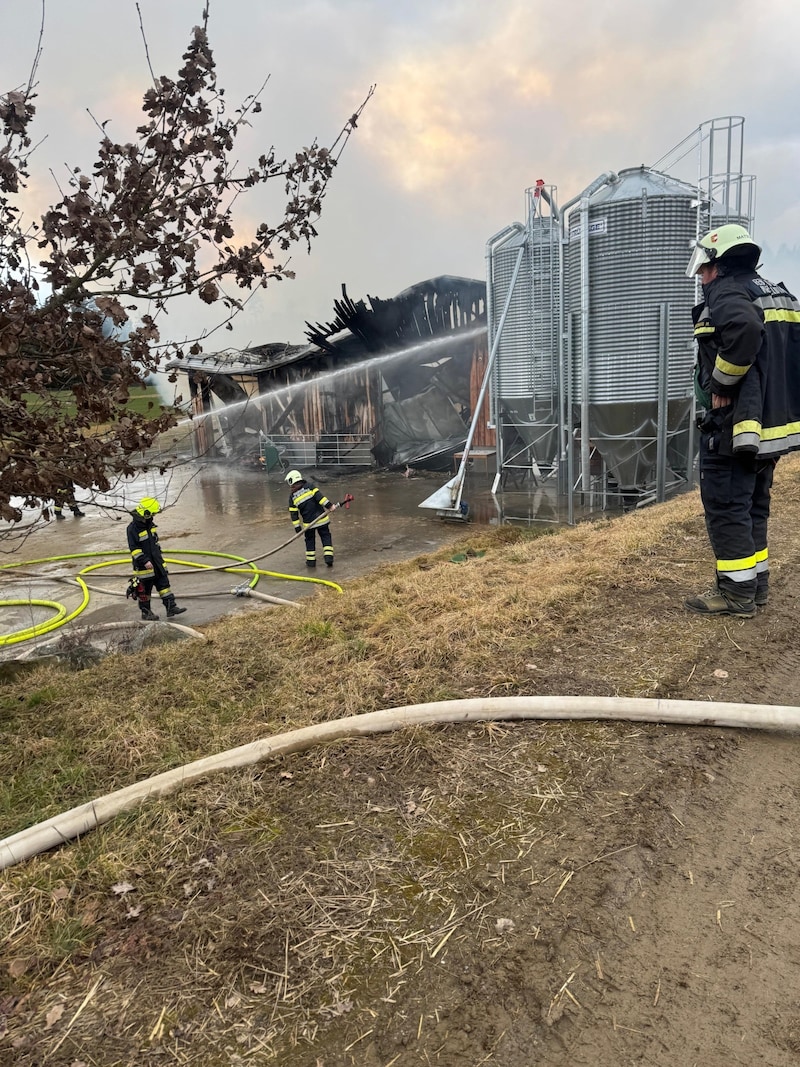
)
(515, 621)
(250, 918)
(287, 921)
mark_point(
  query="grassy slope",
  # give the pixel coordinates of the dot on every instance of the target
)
(420, 631)
(594, 609)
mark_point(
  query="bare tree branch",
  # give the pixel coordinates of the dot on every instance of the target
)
(152, 222)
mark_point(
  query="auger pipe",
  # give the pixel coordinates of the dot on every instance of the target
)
(78, 821)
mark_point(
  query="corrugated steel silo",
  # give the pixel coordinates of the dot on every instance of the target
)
(628, 309)
(525, 383)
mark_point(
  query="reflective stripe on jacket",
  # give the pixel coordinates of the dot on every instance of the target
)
(748, 338)
(143, 543)
(306, 505)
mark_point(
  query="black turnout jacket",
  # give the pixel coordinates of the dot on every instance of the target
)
(306, 505)
(143, 543)
(748, 334)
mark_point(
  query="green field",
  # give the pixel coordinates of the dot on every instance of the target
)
(140, 398)
(139, 401)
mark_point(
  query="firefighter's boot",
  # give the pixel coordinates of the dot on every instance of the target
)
(172, 607)
(762, 591)
(147, 614)
(721, 602)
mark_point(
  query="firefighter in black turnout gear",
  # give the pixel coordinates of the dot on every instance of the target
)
(65, 497)
(747, 380)
(307, 505)
(148, 559)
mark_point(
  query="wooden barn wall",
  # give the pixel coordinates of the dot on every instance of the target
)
(351, 403)
(347, 404)
(203, 435)
(484, 437)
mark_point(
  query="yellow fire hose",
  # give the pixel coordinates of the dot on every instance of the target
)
(62, 617)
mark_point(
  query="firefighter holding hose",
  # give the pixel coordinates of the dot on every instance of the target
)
(310, 511)
(149, 561)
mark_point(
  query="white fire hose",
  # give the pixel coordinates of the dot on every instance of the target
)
(78, 821)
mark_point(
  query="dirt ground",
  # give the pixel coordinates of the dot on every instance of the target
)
(651, 918)
(529, 895)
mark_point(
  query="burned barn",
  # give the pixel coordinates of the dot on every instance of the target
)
(386, 383)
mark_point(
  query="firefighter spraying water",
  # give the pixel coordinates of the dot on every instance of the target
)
(309, 510)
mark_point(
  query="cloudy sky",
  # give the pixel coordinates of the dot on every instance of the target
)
(474, 102)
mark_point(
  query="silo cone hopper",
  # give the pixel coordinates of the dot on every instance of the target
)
(447, 502)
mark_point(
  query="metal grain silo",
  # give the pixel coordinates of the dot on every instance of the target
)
(629, 349)
(523, 271)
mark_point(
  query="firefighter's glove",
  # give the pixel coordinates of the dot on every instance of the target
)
(298, 529)
(132, 591)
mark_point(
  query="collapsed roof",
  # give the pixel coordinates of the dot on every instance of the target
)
(417, 408)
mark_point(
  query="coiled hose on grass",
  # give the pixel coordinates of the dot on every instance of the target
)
(78, 821)
(61, 616)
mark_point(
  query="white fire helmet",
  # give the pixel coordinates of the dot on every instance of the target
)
(293, 477)
(721, 242)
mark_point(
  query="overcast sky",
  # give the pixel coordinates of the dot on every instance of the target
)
(475, 101)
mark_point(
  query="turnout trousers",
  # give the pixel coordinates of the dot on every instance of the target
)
(157, 577)
(735, 491)
(325, 537)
